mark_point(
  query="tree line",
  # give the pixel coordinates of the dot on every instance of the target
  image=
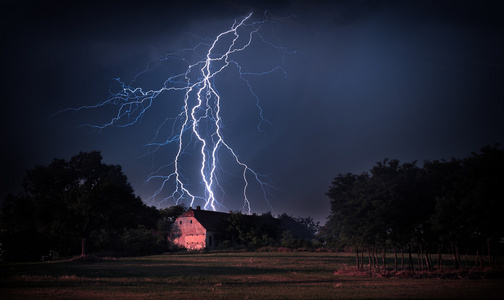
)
(253, 232)
(450, 206)
(86, 206)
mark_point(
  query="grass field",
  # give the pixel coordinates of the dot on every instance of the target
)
(253, 275)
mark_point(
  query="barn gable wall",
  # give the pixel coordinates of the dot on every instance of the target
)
(192, 234)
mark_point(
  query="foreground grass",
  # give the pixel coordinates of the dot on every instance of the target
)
(227, 276)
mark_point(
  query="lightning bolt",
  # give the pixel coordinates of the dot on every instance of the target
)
(197, 129)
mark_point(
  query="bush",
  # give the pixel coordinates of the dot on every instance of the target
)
(140, 241)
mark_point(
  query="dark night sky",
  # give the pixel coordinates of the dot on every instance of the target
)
(411, 80)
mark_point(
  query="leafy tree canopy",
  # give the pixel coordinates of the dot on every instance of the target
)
(67, 201)
(454, 204)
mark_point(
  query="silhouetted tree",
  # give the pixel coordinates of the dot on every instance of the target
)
(347, 211)
(250, 231)
(456, 204)
(69, 200)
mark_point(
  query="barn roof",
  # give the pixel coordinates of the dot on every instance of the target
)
(210, 220)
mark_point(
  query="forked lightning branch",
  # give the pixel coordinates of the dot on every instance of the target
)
(197, 129)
